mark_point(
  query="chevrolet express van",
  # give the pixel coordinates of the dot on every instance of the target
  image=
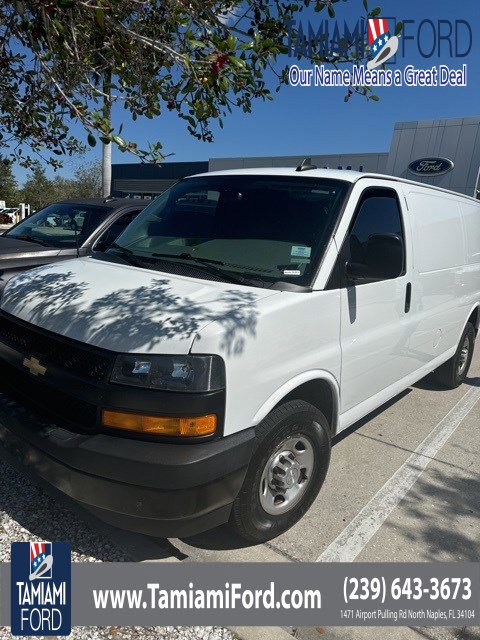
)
(196, 371)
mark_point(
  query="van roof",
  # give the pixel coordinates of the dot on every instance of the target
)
(337, 174)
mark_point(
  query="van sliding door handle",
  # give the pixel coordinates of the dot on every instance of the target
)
(408, 297)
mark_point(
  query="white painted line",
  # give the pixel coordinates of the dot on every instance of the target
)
(261, 633)
(167, 559)
(357, 534)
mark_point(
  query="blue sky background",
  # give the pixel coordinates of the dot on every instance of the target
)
(313, 120)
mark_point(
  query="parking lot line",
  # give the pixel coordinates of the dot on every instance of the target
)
(261, 633)
(356, 535)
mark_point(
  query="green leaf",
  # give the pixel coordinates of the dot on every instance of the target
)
(91, 140)
(376, 12)
(365, 4)
(331, 11)
(120, 141)
(237, 62)
(197, 43)
(398, 28)
(100, 18)
(374, 98)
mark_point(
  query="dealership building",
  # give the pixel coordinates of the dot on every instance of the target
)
(445, 153)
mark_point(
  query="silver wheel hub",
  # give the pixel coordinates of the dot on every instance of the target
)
(286, 475)
(464, 353)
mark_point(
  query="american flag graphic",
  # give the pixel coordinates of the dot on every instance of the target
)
(38, 554)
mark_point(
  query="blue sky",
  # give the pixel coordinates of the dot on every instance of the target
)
(313, 120)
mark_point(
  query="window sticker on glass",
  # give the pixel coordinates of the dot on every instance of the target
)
(299, 261)
(301, 252)
(292, 272)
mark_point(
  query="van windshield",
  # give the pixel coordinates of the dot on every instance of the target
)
(253, 229)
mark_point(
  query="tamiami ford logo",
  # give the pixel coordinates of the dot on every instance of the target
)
(375, 53)
(40, 589)
(383, 45)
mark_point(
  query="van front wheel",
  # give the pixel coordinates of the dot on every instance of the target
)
(453, 373)
(286, 472)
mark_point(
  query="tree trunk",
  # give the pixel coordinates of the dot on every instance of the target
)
(107, 148)
(106, 169)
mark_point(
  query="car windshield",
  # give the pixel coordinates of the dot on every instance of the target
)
(60, 225)
(269, 228)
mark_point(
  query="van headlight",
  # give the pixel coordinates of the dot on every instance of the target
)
(170, 373)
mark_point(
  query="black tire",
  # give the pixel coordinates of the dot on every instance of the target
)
(453, 373)
(249, 518)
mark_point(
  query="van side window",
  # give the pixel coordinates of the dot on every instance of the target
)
(378, 213)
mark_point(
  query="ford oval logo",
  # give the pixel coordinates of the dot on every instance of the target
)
(431, 167)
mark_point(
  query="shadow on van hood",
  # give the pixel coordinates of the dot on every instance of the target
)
(128, 309)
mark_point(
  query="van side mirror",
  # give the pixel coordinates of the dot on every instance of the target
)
(384, 260)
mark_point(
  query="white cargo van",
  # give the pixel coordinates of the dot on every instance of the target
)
(196, 371)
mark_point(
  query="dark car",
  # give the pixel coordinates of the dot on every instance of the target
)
(63, 230)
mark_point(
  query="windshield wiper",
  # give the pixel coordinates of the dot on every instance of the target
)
(187, 256)
(127, 255)
(208, 264)
(114, 245)
(32, 239)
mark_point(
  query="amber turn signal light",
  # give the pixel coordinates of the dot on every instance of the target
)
(159, 425)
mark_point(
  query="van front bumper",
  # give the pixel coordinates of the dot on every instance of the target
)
(149, 487)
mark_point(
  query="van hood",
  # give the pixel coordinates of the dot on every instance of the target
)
(128, 309)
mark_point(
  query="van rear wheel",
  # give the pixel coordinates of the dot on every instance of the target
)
(286, 472)
(453, 373)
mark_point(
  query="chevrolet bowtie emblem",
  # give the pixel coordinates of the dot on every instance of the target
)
(34, 366)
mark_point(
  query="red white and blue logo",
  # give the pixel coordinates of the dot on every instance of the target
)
(383, 46)
(40, 589)
(41, 560)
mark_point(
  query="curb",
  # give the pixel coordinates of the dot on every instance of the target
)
(260, 633)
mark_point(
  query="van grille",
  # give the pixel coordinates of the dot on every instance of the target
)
(87, 362)
(48, 403)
